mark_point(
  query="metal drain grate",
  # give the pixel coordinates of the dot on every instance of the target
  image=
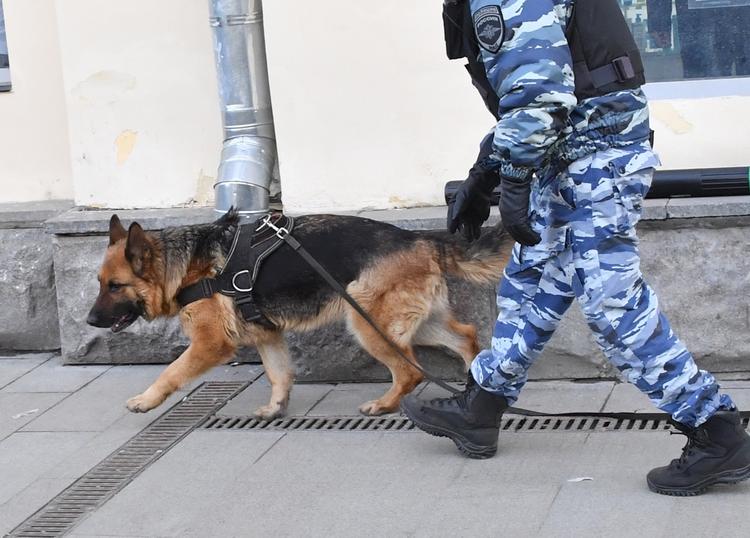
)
(118, 469)
(303, 423)
(400, 423)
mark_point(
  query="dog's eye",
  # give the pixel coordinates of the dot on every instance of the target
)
(114, 286)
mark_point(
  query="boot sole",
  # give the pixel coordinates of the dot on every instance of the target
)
(466, 447)
(725, 477)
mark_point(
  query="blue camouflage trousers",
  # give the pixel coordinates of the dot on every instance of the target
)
(586, 216)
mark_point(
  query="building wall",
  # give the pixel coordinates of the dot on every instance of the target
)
(702, 132)
(369, 113)
(115, 104)
(141, 94)
(34, 148)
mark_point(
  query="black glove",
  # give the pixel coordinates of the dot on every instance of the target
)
(470, 207)
(514, 209)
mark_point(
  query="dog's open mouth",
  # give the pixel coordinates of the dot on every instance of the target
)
(124, 321)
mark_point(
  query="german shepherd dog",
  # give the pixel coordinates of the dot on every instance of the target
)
(397, 276)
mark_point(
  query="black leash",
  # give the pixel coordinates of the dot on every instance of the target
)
(284, 234)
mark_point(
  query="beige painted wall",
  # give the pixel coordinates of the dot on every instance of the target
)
(369, 113)
(142, 101)
(34, 149)
(702, 133)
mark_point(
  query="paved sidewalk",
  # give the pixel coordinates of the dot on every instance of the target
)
(57, 422)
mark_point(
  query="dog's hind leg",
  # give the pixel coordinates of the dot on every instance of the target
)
(404, 376)
(399, 293)
(442, 329)
(275, 355)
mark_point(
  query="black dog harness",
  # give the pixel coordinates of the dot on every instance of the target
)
(251, 246)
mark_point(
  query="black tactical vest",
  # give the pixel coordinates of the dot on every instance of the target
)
(605, 56)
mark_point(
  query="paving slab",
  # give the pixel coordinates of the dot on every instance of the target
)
(28, 456)
(53, 376)
(732, 377)
(741, 398)
(11, 368)
(562, 396)
(98, 445)
(410, 484)
(626, 398)
(345, 398)
(240, 483)
(428, 390)
(617, 503)
(28, 501)
(734, 383)
(100, 403)
(303, 398)
(547, 396)
(19, 409)
(728, 515)
(340, 484)
(229, 372)
(196, 476)
(44, 463)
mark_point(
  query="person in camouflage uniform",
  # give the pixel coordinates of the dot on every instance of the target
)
(573, 176)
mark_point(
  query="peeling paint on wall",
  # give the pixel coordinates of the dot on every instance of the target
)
(124, 145)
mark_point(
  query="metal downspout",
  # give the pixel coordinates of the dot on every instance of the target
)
(249, 152)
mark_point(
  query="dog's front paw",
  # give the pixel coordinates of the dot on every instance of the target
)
(142, 403)
(269, 412)
(374, 408)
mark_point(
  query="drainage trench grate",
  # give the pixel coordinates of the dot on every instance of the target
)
(400, 423)
(118, 469)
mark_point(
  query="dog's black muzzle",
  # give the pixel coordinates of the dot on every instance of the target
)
(120, 316)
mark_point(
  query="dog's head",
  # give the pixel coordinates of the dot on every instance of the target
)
(126, 278)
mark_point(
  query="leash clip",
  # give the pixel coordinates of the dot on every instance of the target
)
(281, 233)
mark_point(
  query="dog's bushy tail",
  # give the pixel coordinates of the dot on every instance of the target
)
(481, 262)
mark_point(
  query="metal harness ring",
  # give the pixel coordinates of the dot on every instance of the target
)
(236, 287)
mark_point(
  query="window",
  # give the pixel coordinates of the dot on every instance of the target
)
(691, 39)
(4, 64)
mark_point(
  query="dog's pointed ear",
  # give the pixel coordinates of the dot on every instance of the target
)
(231, 217)
(137, 249)
(116, 230)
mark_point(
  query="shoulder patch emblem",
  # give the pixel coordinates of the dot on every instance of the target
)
(489, 28)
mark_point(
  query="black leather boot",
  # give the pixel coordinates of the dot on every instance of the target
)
(717, 452)
(471, 418)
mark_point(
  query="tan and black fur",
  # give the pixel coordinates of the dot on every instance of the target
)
(398, 276)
